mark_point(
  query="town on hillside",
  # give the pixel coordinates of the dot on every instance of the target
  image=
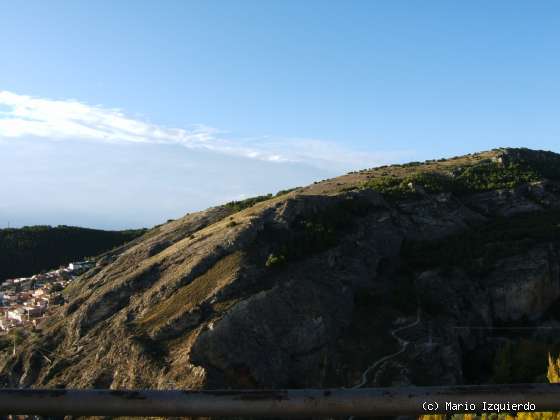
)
(26, 302)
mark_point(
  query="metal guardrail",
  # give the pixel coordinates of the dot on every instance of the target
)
(281, 403)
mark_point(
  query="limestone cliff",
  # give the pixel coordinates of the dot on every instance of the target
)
(306, 289)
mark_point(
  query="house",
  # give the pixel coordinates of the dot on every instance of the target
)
(23, 296)
(38, 293)
(78, 266)
(16, 314)
(9, 298)
(33, 311)
(7, 324)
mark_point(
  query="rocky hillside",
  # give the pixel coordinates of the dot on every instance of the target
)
(421, 273)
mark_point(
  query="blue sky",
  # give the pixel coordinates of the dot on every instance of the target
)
(124, 114)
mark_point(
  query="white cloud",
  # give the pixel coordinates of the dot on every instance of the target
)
(27, 116)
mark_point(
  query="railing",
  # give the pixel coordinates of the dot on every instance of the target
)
(281, 403)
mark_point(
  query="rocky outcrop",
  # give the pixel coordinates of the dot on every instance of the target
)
(525, 286)
(302, 290)
(532, 197)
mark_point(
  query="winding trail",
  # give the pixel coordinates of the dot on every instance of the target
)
(402, 343)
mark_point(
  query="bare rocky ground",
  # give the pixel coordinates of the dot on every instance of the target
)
(301, 290)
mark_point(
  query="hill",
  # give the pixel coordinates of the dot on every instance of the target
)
(32, 249)
(459, 258)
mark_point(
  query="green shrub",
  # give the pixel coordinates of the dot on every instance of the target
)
(320, 231)
(432, 182)
(386, 185)
(483, 176)
(282, 192)
(523, 361)
(477, 249)
(490, 176)
(275, 260)
(249, 202)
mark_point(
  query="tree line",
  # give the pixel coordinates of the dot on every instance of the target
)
(33, 249)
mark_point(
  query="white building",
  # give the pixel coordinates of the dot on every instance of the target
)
(17, 314)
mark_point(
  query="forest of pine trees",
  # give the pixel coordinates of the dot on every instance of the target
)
(33, 249)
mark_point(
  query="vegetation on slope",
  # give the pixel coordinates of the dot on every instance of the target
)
(192, 294)
(251, 201)
(522, 361)
(477, 249)
(483, 176)
(499, 169)
(553, 376)
(318, 232)
(248, 202)
(168, 310)
(33, 249)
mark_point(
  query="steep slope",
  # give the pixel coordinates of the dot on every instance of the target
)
(307, 288)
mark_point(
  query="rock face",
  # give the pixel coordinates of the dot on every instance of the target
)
(526, 198)
(525, 286)
(307, 289)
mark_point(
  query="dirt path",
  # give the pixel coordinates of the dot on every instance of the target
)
(402, 344)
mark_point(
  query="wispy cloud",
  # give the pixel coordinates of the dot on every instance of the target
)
(27, 116)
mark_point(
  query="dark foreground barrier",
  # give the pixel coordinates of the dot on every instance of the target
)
(284, 403)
